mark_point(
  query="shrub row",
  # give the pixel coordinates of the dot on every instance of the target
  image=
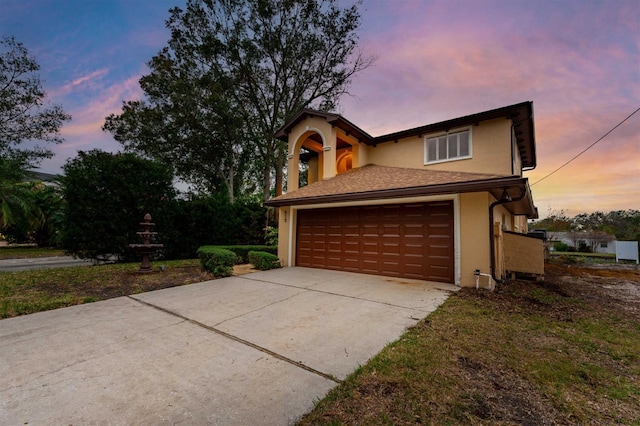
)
(219, 260)
(263, 260)
(242, 251)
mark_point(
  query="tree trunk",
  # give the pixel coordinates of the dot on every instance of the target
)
(268, 162)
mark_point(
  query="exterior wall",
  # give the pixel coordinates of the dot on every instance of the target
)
(517, 160)
(502, 217)
(312, 174)
(474, 236)
(491, 145)
(284, 228)
(521, 224)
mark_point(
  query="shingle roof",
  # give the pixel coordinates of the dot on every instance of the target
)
(373, 181)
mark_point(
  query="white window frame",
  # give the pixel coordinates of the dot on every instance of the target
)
(435, 137)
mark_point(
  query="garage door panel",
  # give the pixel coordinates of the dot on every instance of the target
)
(351, 247)
(391, 248)
(370, 230)
(334, 246)
(334, 262)
(405, 240)
(351, 230)
(370, 248)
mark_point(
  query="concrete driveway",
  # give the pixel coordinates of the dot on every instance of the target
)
(254, 349)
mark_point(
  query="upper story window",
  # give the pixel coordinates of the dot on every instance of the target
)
(451, 146)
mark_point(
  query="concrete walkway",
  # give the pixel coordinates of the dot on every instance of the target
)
(254, 349)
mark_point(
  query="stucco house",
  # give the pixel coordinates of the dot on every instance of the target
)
(442, 202)
(596, 241)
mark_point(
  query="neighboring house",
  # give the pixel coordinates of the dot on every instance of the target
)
(596, 241)
(441, 202)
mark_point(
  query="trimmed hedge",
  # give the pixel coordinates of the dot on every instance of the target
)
(217, 260)
(263, 260)
(242, 252)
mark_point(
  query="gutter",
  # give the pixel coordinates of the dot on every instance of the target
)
(505, 199)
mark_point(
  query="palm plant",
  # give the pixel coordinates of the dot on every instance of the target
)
(16, 201)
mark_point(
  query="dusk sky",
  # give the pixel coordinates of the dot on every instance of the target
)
(577, 60)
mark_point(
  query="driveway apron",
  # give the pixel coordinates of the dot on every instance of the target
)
(254, 349)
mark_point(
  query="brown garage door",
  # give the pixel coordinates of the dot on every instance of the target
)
(401, 240)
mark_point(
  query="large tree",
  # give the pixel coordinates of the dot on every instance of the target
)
(234, 71)
(25, 120)
(25, 116)
(107, 195)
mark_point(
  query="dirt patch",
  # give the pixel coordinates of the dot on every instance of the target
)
(243, 269)
(602, 287)
(502, 395)
(124, 283)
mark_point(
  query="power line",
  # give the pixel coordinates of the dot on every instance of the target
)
(589, 147)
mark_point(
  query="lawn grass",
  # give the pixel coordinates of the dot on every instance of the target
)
(13, 252)
(26, 292)
(526, 354)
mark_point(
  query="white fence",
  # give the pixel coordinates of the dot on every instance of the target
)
(627, 250)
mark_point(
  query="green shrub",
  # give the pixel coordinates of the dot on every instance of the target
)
(263, 260)
(560, 246)
(242, 252)
(217, 260)
(271, 236)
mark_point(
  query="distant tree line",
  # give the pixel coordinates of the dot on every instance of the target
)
(588, 230)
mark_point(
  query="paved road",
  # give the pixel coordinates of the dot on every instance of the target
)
(10, 265)
(255, 349)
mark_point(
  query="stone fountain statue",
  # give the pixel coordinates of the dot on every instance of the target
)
(146, 249)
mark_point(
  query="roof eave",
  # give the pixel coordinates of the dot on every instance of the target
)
(490, 185)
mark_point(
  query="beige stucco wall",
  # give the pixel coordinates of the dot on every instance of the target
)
(474, 236)
(491, 145)
(284, 216)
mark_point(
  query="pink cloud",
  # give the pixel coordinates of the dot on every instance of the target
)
(90, 117)
(83, 82)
